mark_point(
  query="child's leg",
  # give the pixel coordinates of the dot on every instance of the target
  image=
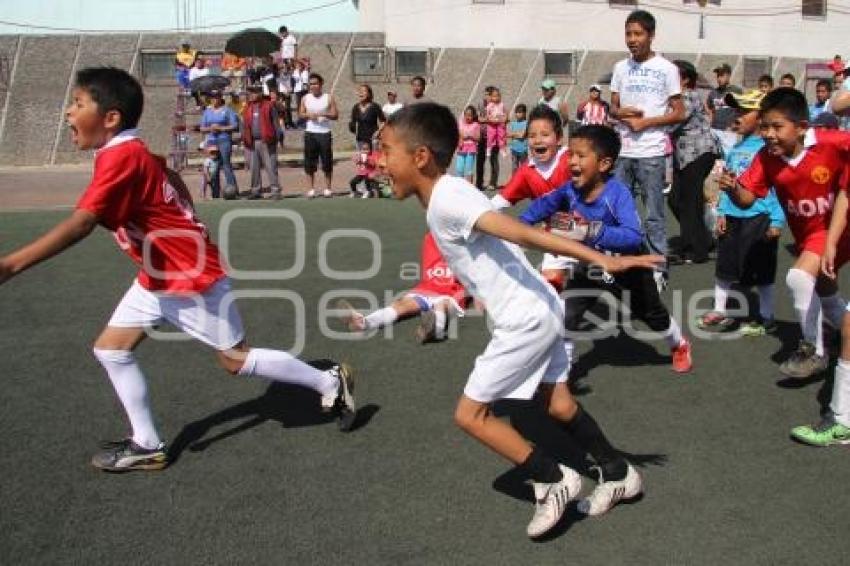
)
(766, 301)
(832, 305)
(114, 350)
(494, 168)
(475, 419)
(721, 294)
(801, 280)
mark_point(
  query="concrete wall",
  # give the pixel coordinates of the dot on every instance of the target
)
(756, 27)
(32, 131)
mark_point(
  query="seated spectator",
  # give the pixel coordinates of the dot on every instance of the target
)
(186, 56)
(233, 65)
(199, 70)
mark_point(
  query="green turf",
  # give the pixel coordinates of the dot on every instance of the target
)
(263, 479)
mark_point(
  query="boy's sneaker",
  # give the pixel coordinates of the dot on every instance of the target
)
(825, 433)
(756, 328)
(327, 193)
(311, 193)
(804, 362)
(609, 493)
(343, 400)
(715, 322)
(550, 501)
(125, 456)
(682, 361)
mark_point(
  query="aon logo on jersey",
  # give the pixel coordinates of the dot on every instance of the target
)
(808, 208)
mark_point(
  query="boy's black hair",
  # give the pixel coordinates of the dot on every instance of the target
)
(644, 19)
(317, 77)
(418, 79)
(789, 76)
(825, 83)
(430, 124)
(604, 140)
(282, 29)
(787, 100)
(687, 71)
(113, 89)
(766, 79)
(543, 112)
(521, 108)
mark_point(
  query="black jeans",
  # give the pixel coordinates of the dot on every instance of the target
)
(480, 158)
(687, 202)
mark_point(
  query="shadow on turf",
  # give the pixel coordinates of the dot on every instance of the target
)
(617, 351)
(290, 405)
(533, 423)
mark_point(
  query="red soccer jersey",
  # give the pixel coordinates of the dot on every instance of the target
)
(152, 221)
(437, 277)
(531, 180)
(807, 189)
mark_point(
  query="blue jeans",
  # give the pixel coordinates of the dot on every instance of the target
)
(225, 149)
(645, 178)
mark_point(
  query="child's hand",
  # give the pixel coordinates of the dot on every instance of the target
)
(616, 264)
(720, 227)
(727, 181)
(773, 233)
(827, 261)
(630, 112)
(636, 124)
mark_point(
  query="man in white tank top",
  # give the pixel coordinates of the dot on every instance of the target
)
(319, 109)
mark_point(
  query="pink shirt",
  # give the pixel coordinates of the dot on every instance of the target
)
(473, 131)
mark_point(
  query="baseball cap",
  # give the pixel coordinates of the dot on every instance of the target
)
(826, 120)
(723, 68)
(749, 100)
(548, 84)
(595, 87)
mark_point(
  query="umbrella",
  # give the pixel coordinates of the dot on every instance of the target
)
(209, 83)
(253, 42)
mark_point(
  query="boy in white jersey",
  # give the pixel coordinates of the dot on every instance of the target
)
(526, 350)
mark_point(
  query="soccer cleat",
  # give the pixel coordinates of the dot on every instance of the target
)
(343, 401)
(125, 456)
(756, 328)
(609, 493)
(715, 322)
(804, 362)
(682, 361)
(327, 193)
(311, 193)
(825, 433)
(550, 501)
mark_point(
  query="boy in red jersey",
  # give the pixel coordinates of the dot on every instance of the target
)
(437, 298)
(807, 167)
(181, 279)
(546, 169)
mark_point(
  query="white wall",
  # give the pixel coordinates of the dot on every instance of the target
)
(752, 27)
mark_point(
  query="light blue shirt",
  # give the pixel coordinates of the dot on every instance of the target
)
(737, 161)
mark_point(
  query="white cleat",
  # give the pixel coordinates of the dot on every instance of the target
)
(609, 493)
(551, 501)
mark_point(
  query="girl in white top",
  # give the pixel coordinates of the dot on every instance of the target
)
(318, 109)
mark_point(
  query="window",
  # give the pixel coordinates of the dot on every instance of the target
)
(157, 65)
(369, 62)
(814, 8)
(558, 64)
(754, 67)
(410, 62)
(622, 2)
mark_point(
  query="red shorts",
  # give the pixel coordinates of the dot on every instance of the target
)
(816, 244)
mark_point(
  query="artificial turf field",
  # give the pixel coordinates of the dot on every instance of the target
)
(260, 477)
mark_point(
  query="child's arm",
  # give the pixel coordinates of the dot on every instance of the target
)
(60, 237)
(544, 207)
(624, 237)
(836, 228)
(505, 227)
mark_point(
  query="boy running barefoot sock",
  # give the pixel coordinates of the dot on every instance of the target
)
(482, 247)
(181, 279)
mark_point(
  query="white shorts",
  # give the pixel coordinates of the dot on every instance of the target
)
(433, 300)
(211, 316)
(562, 262)
(517, 361)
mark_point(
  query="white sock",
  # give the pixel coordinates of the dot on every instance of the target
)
(673, 335)
(807, 306)
(840, 404)
(766, 301)
(276, 365)
(132, 390)
(380, 318)
(834, 308)
(440, 319)
(721, 295)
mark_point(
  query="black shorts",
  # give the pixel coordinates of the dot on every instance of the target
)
(318, 147)
(744, 255)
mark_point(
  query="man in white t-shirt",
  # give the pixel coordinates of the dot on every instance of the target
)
(288, 45)
(393, 105)
(526, 352)
(646, 99)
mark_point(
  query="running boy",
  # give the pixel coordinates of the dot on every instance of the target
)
(748, 237)
(806, 167)
(437, 298)
(482, 248)
(181, 278)
(602, 214)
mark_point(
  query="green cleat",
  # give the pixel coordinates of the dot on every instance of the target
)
(825, 433)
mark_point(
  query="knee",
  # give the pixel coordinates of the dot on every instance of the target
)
(232, 364)
(107, 356)
(563, 408)
(800, 283)
(468, 419)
